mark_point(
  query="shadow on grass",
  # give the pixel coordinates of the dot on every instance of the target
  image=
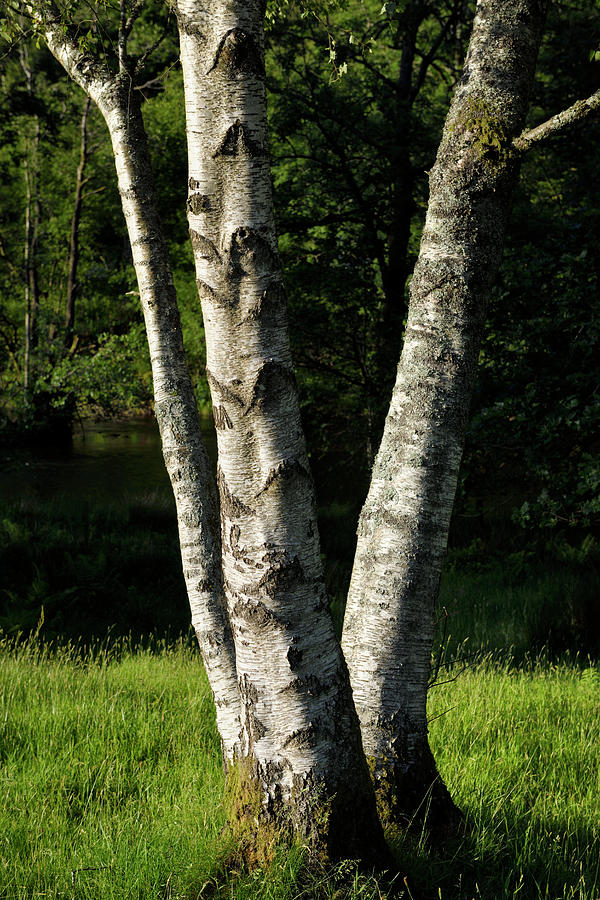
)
(497, 858)
(93, 568)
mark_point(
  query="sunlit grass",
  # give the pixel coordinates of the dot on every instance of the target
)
(520, 750)
(111, 784)
(110, 777)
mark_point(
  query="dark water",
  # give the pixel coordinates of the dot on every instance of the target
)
(107, 460)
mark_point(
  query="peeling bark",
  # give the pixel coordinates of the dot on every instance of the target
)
(403, 528)
(300, 730)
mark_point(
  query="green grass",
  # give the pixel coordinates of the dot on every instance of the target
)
(111, 784)
(110, 774)
(521, 606)
(520, 751)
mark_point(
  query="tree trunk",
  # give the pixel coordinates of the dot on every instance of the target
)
(75, 220)
(300, 728)
(403, 529)
(32, 223)
(175, 406)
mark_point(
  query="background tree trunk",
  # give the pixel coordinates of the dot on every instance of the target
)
(32, 224)
(75, 220)
(403, 529)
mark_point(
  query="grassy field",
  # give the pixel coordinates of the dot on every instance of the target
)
(111, 786)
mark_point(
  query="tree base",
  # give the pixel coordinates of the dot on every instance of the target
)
(412, 796)
(331, 826)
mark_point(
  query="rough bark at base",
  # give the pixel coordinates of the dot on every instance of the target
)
(413, 795)
(313, 817)
(403, 529)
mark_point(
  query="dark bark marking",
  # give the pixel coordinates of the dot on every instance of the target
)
(193, 184)
(204, 585)
(238, 54)
(271, 379)
(302, 737)
(248, 690)
(231, 506)
(234, 538)
(234, 546)
(288, 468)
(250, 254)
(190, 518)
(198, 203)
(282, 575)
(256, 613)
(270, 305)
(257, 729)
(294, 657)
(189, 26)
(207, 293)
(308, 684)
(221, 418)
(237, 142)
(203, 247)
(225, 391)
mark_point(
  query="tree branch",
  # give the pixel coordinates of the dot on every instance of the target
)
(558, 123)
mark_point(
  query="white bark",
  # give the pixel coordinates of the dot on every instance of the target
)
(403, 529)
(185, 456)
(299, 724)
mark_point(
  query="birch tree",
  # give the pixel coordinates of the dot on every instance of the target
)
(111, 89)
(281, 691)
(299, 724)
(403, 528)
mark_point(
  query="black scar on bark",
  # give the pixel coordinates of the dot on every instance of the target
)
(234, 547)
(249, 697)
(193, 184)
(309, 684)
(230, 506)
(203, 247)
(189, 26)
(256, 613)
(270, 306)
(257, 729)
(222, 297)
(225, 392)
(282, 576)
(288, 468)
(272, 378)
(198, 203)
(294, 656)
(301, 738)
(238, 54)
(221, 418)
(237, 142)
(250, 254)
